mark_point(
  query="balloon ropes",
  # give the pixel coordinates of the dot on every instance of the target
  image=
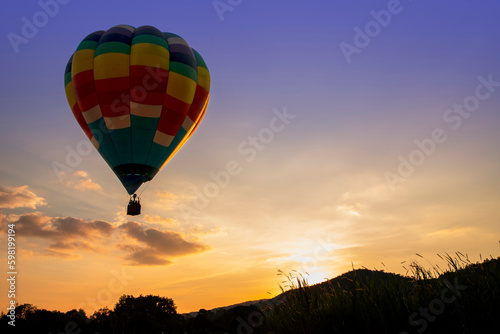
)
(138, 94)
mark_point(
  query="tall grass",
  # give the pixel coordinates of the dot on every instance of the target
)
(464, 297)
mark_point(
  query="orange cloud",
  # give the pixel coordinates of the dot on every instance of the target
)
(80, 180)
(19, 197)
(169, 201)
(61, 228)
(67, 235)
(156, 245)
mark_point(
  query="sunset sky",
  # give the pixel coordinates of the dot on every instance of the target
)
(338, 134)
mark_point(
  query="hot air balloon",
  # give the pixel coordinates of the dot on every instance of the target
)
(138, 94)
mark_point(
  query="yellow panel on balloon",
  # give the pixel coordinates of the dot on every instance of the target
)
(70, 94)
(203, 78)
(181, 87)
(83, 60)
(111, 65)
(148, 54)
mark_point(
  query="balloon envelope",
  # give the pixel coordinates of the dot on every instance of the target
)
(138, 94)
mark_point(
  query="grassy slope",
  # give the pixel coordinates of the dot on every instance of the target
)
(464, 298)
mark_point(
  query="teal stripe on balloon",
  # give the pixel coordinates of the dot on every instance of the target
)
(106, 148)
(199, 59)
(67, 78)
(161, 153)
(150, 39)
(155, 154)
(122, 144)
(143, 132)
(86, 44)
(112, 47)
(184, 69)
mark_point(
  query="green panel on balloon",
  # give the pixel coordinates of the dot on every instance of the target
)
(184, 69)
(150, 39)
(162, 153)
(155, 155)
(143, 132)
(84, 45)
(106, 147)
(141, 145)
(139, 122)
(112, 47)
(123, 144)
(67, 78)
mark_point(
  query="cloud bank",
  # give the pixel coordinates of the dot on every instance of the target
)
(155, 246)
(68, 237)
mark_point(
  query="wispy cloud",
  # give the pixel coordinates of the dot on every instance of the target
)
(80, 180)
(160, 220)
(63, 255)
(72, 245)
(48, 253)
(452, 232)
(19, 197)
(144, 256)
(170, 201)
(198, 232)
(155, 245)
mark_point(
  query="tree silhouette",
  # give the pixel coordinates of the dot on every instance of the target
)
(144, 314)
(104, 321)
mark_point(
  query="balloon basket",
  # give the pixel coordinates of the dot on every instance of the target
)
(134, 207)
